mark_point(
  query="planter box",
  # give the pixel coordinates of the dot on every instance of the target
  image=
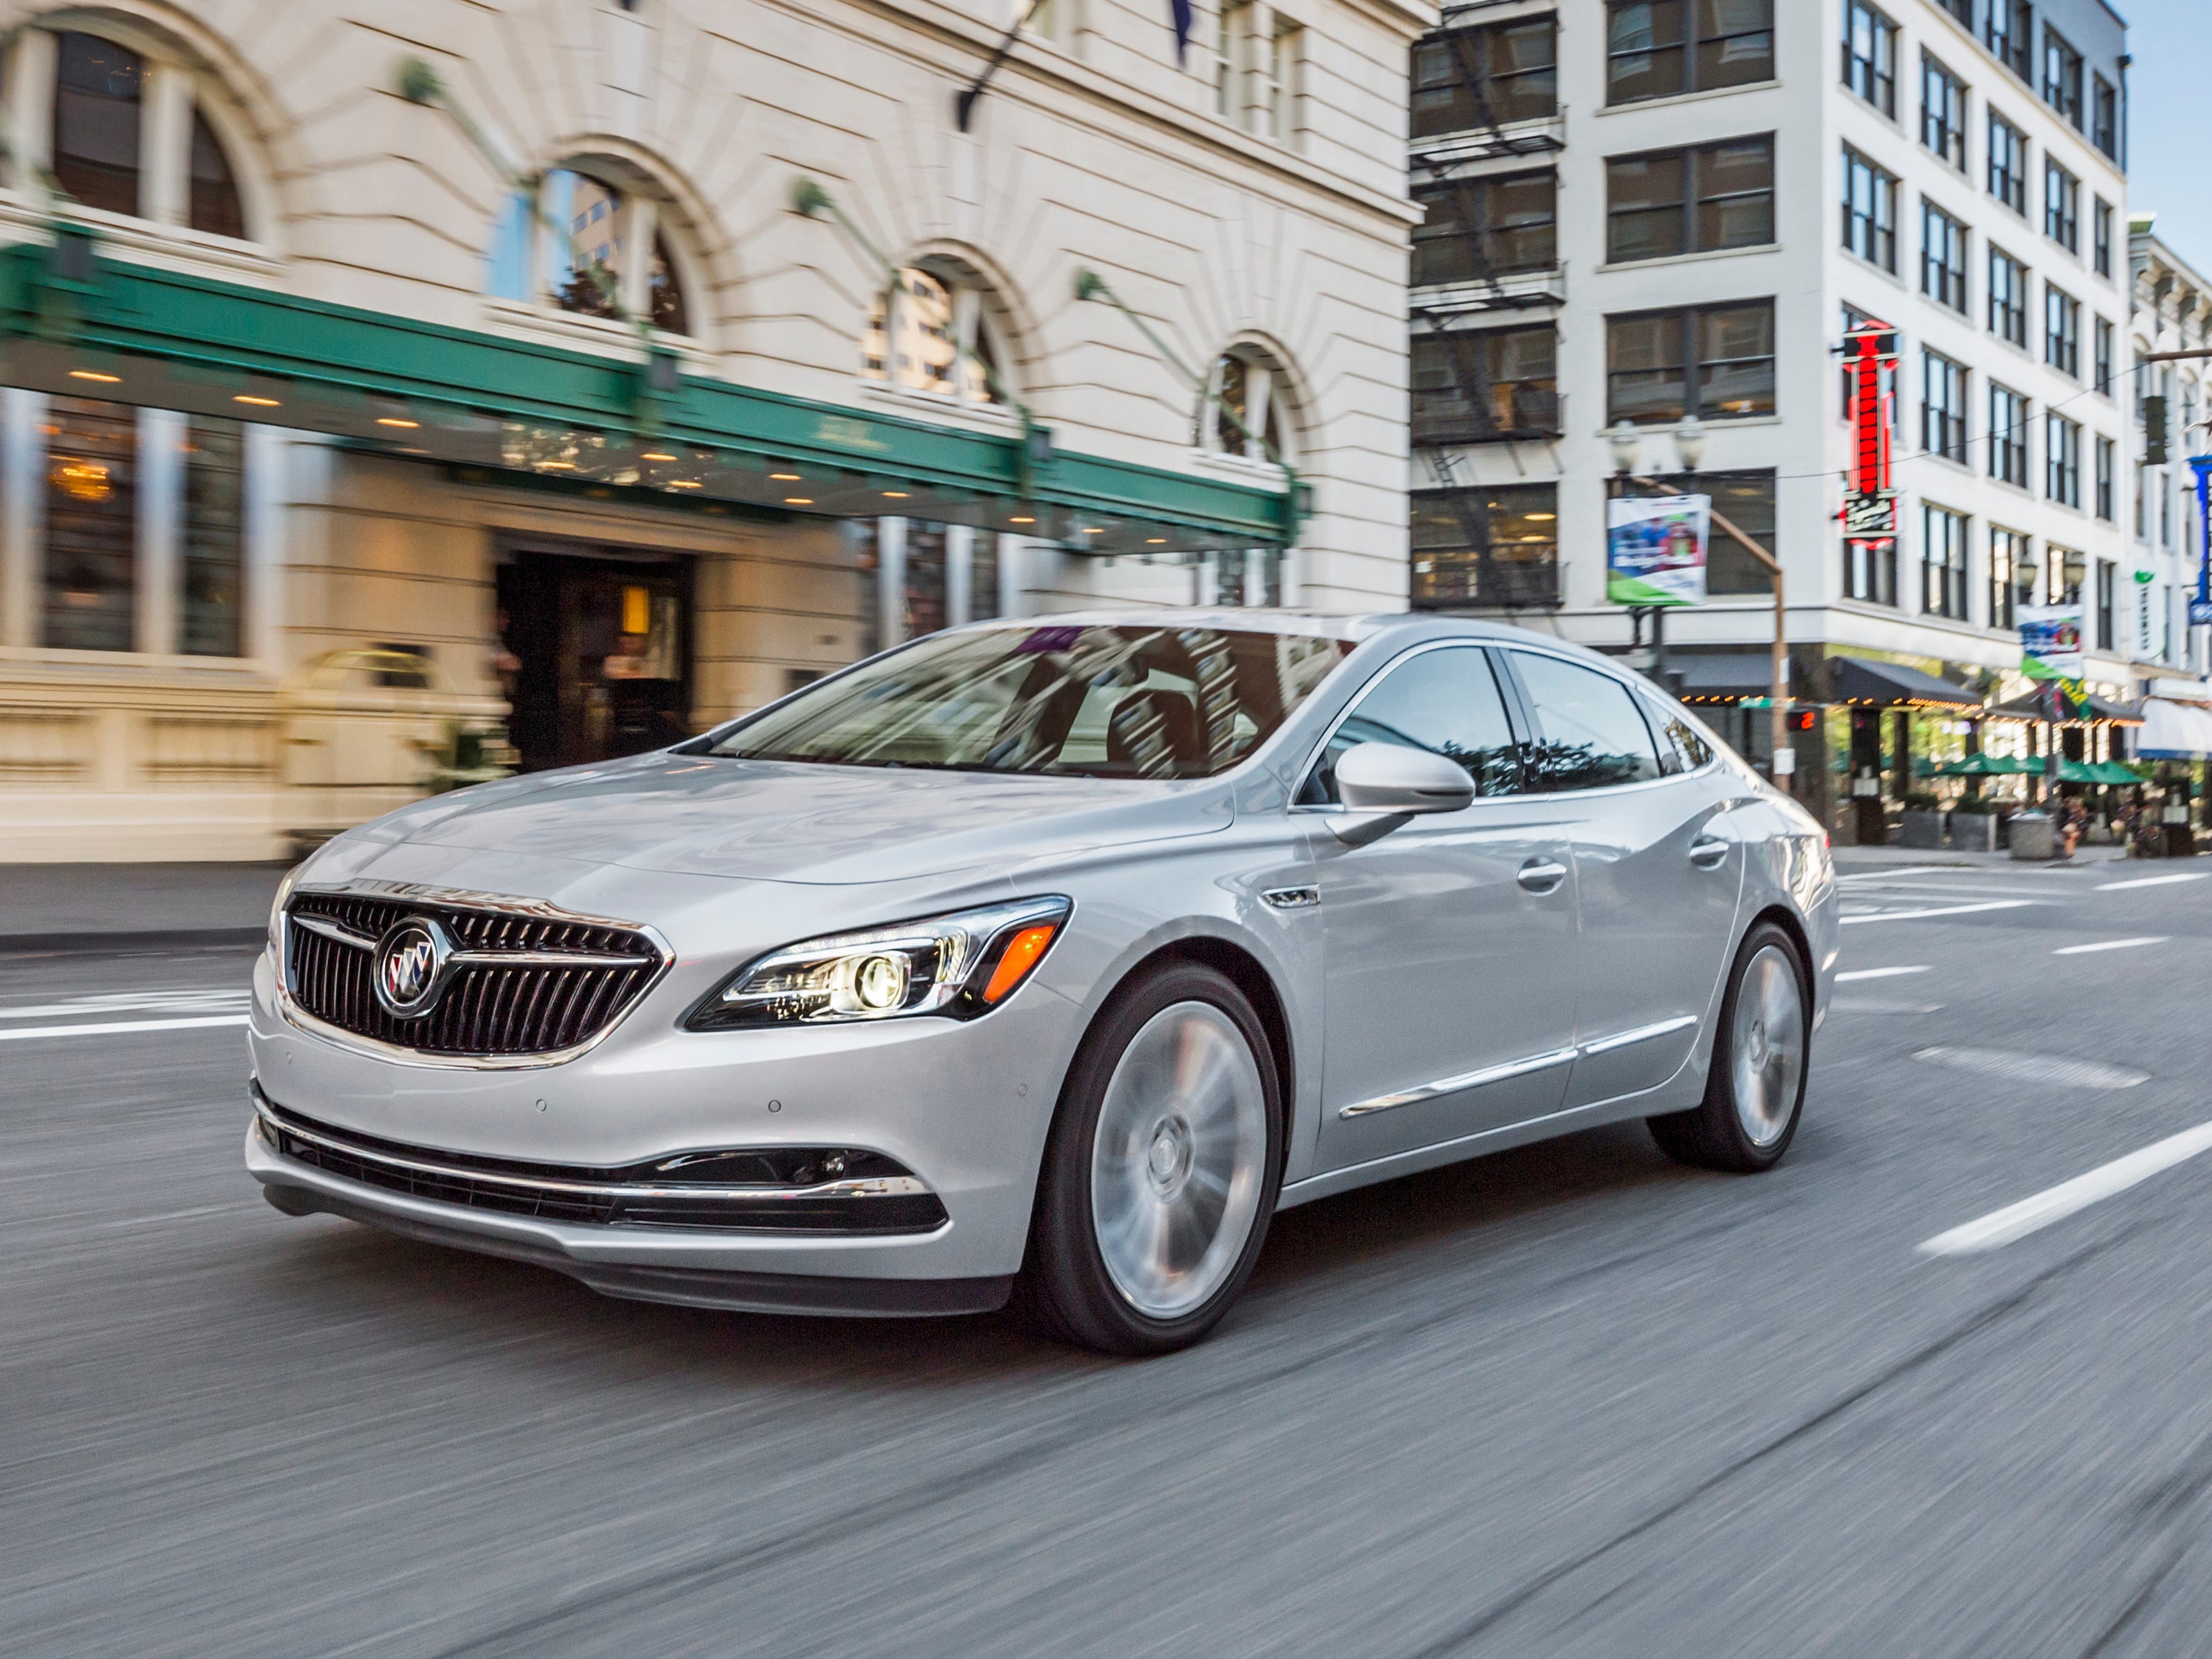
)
(1974, 832)
(2034, 837)
(1920, 830)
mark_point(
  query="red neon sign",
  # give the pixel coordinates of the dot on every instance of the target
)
(1869, 509)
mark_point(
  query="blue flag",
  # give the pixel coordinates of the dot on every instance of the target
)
(1180, 11)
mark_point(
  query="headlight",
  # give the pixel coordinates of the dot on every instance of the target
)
(276, 911)
(961, 966)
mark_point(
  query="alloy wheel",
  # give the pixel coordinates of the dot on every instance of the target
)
(1767, 1045)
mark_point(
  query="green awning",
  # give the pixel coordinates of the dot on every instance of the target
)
(1989, 766)
(76, 323)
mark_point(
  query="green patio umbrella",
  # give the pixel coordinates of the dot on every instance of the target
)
(1987, 766)
(2112, 772)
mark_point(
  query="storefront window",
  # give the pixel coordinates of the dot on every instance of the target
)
(925, 608)
(92, 525)
(214, 537)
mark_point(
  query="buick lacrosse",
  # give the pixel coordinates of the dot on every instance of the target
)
(1044, 961)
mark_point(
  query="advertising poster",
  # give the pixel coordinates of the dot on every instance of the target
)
(1655, 548)
(2051, 641)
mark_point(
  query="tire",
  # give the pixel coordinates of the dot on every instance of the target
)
(1133, 1249)
(1755, 1090)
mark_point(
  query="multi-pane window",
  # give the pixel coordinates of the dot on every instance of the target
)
(2008, 163)
(99, 105)
(1481, 228)
(2008, 297)
(1869, 207)
(1662, 48)
(2007, 435)
(1690, 201)
(2062, 206)
(1942, 406)
(1942, 256)
(2062, 331)
(2104, 335)
(2062, 450)
(1468, 78)
(1870, 572)
(1475, 388)
(2009, 31)
(2104, 118)
(1870, 55)
(2108, 466)
(2061, 76)
(1942, 561)
(2008, 559)
(1943, 111)
(2100, 218)
(1717, 360)
(1492, 546)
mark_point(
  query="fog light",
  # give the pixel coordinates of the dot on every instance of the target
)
(880, 982)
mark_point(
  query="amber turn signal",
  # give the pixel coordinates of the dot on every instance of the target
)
(1021, 955)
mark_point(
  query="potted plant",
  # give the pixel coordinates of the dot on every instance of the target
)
(1922, 825)
(1974, 824)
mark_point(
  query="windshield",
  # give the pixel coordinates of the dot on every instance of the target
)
(1063, 699)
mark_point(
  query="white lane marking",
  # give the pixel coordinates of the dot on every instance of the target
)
(2033, 1214)
(2109, 944)
(1880, 1006)
(132, 1002)
(2059, 1069)
(2153, 881)
(1879, 973)
(118, 1028)
(1939, 910)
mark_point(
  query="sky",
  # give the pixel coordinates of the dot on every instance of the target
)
(2170, 143)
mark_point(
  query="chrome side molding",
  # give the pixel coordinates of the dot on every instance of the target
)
(1512, 1068)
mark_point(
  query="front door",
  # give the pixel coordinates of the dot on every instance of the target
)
(1450, 941)
(595, 655)
(1658, 874)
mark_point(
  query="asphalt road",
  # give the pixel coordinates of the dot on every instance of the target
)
(1567, 1401)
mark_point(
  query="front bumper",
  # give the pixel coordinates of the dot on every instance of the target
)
(695, 1266)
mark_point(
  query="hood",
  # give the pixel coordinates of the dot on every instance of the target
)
(780, 821)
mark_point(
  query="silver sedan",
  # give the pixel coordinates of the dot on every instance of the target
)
(1044, 961)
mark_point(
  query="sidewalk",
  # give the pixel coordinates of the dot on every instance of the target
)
(1926, 858)
(110, 906)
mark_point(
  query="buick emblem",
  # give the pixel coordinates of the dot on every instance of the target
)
(410, 967)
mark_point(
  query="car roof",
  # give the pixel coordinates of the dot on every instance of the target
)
(1350, 626)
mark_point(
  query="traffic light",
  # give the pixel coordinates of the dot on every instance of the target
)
(2154, 431)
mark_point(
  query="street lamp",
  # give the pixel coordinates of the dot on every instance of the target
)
(1627, 443)
(1690, 443)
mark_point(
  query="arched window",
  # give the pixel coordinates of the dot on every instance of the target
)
(103, 92)
(1242, 413)
(934, 333)
(600, 249)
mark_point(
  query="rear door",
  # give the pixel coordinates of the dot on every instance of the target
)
(1658, 884)
(1449, 942)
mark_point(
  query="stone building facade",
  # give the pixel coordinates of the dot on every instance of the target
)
(379, 377)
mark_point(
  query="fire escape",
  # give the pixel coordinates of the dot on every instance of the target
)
(1440, 160)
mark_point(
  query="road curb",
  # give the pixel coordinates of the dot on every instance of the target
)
(154, 939)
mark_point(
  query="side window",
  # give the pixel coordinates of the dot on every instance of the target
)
(1445, 701)
(1692, 750)
(1589, 732)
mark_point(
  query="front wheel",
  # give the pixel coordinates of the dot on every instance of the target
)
(1162, 1169)
(1755, 1090)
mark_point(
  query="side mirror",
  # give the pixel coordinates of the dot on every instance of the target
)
(1387, 777)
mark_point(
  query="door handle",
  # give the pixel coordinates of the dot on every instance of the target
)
(1541, 875)
(1709, 852)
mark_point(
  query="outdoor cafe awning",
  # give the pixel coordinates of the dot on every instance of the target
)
(625, 423)
(2174, 731)
(1865, 682)
(2088, 710)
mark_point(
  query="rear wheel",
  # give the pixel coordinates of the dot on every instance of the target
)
(1755, 1090)
(1162, 1169)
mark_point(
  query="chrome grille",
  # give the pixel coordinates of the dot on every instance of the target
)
(535, 1006)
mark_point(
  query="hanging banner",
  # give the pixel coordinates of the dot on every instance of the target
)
(1655, 548)
(2051, 641)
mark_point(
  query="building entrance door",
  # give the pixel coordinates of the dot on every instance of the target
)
(595, 653)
